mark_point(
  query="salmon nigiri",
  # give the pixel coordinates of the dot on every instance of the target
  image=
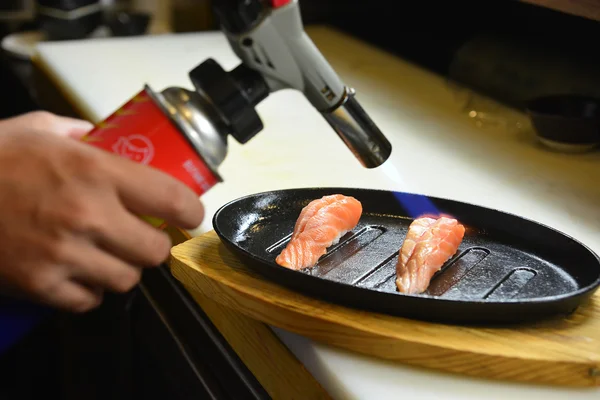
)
(320, 225)
(428, 245)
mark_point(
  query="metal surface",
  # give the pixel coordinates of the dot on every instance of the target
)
(358, 132)
(195, 356)
(153, 342)
(59, 13)
(507, 270)
(196, 119)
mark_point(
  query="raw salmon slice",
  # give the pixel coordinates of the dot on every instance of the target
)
(428, 245)
(319, 226)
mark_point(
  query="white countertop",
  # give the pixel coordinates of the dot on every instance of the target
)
(437, 151)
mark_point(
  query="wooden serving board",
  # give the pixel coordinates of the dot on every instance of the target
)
(564, 351)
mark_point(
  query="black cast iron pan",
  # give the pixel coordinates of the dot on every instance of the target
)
(507, 270)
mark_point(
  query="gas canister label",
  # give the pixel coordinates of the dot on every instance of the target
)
(143, 133)
(196, 175)
(137, 148)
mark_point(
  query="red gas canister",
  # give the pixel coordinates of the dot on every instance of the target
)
(171, 131)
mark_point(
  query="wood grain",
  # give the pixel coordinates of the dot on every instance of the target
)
(560, 352)
(582, 8)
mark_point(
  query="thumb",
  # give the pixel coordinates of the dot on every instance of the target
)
(71, 127)
(45, 122)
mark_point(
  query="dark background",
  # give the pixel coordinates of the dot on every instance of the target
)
(429, 34)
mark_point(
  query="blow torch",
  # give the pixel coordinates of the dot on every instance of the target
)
(184, 132)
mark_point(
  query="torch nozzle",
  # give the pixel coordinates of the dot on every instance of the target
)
(356, 129)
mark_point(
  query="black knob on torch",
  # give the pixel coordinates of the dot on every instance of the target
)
(234, 95)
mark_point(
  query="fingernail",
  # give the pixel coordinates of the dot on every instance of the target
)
(80, 125)
(75, 127)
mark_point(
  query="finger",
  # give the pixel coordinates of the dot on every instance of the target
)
(148, 191)
(46, 122)
(72, 128)
(73, 297)
(134, 240)
(97, 268)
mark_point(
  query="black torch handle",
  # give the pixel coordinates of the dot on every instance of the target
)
(238, 16)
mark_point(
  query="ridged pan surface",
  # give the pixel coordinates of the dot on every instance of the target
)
(508, 269)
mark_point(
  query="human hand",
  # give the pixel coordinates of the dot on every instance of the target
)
(45, 123)
(69, 224)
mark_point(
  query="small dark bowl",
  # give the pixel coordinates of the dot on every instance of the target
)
(128, 23)
(566, 122)
(66, 5)
(69, 29)
(73, 26)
